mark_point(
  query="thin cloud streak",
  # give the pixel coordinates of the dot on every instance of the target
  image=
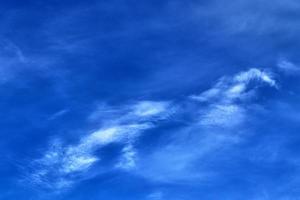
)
(288, 67)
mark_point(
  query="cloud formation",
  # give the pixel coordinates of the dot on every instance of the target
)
(61, 162)
(288, 67)
(228, 89)
(226, 99)
(219, 112)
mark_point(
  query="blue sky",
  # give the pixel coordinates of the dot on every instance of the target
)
(150, 100)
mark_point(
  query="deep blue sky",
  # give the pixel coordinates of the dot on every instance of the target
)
(150, 100)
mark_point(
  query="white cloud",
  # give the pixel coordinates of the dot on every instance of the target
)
(139, 111)
(255, 74)
(208, 94)
(77, 162)
(226, 115)
(118, 133)
(226, 98)
(60, 161)
(225, 107)
(150, 108)
(288, 67)
(229, 89)
(128, 158)
(220, 113)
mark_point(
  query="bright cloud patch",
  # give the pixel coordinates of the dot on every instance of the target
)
(220, 113)
(228, 89)
(287, 66)
(62, 161)
(150, 108)
(128, 158)
(255, 74)
(226, 105)
(227, 97)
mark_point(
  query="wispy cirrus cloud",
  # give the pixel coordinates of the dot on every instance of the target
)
(128, 158)
(61, 163)
(229, 89)
(221, 113)
(226, 100)
(288, 66)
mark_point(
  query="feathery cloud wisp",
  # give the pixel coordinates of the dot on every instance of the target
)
(220, 115)
(288, 67)
(226, 98)
(62, 161)
(228, 89)
(226, 108)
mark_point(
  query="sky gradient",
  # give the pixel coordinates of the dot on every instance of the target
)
(150, 100)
